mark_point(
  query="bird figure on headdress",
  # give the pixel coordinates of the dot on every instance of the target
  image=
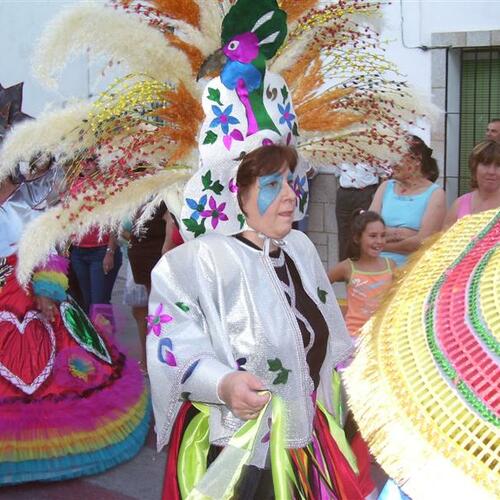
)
(251, 34)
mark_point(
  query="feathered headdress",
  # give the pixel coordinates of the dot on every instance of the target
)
(334, 95)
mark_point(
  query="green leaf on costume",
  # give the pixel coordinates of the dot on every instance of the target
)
(206, 180)
(241, 220)
(295, 130)
(303, 201)
(182, 306)
(282, 377)
(322, 295)
(216, 187)
(274, 364)
(214, 95)
(210, 137)
(284, 93)
(193, 227)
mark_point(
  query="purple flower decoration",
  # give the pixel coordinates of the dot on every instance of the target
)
(298, 186)
(232, 186)
(234, 135)
(223, 118)
(215, 212)
(196, 206)
(156, 320)
(165, 354)
(286, 116)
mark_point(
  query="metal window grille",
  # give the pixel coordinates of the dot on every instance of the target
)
(479, 102)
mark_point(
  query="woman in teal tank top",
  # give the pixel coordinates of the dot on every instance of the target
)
(411, 204)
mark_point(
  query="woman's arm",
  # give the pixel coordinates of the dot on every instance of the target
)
(376, 205)
(109, 259)
(451, 216)
(431, 223)
(339, 272)
(393, 234)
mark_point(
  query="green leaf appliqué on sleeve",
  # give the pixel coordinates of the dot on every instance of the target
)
(322, 295)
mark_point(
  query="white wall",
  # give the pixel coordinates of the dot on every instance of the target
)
(22, 21)
(421, 18)
(21, 24)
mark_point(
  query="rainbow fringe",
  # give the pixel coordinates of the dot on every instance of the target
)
(50, 280)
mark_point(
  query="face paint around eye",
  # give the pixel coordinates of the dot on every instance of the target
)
(269, 189)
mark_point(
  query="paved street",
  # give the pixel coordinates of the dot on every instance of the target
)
(139, 479)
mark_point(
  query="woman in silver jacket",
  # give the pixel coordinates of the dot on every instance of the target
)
(236, 320)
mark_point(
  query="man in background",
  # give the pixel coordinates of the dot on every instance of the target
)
(493, 130)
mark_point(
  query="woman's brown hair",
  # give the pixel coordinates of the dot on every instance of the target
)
(486, 152)
(265, 160)
(428, 164)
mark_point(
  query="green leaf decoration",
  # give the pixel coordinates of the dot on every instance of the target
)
(241, 220)
(284, 93)
(295, 129)
(210, 137)
(214, 95)
(274, 364)
(282, 377)
(182, 306)
(82, 330)
(216, 187)
(322, 295)
(303, 202)
(206, 180)
(193, 227)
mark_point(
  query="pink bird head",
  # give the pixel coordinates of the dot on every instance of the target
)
(243, 48)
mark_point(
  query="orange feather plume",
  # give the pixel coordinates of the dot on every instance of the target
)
(184, 115)
(182, 10)
(296, 8)
(193, 53)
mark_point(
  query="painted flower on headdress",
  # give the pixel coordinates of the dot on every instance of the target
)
(286, 115)
(197, 206)
(215, 212)
(156, 320)
(233, 187)
(223, 118)
(165, 352)
(300, 191)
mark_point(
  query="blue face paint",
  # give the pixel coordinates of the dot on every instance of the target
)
(269, 189)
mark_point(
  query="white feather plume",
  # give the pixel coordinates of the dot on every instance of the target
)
(52, 229)
(43, 134)
(111, 33)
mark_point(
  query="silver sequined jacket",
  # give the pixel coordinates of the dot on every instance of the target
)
(216, 303)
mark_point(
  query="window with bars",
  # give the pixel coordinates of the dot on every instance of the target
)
(479, 102)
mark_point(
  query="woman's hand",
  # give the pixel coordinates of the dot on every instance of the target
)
(46, 306)
(240, 392)
(108, 262)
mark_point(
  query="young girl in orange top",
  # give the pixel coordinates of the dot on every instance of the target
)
(368, 275)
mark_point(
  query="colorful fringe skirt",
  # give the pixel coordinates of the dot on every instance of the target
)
(320, 471)
(71, 404)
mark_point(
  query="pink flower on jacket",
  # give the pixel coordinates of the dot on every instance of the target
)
(156, 320)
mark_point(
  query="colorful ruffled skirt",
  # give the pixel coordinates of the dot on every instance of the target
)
(71, 404)
(327, 469)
